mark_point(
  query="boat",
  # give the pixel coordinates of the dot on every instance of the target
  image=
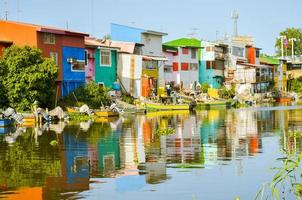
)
(283, 99)
(105, 113)
(6, 122)
(167, 113)
(214, 105)
(161, 107)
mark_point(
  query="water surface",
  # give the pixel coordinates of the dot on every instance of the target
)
(215, 154)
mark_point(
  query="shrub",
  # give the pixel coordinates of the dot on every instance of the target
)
(204, 87)
(90, 94)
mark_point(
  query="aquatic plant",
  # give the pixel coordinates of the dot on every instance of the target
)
(287, 179)
(80, 117)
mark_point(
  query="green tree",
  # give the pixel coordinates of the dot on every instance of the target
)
(26, 77)
(290, 33)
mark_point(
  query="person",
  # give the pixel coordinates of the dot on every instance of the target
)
(168, 90)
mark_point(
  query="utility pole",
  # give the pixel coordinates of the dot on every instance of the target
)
(235, 16)
(292, 40)
(282, 38)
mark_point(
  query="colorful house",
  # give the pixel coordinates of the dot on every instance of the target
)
(153, 59)
(101, 61)
(274, 65)
(66, 47)
(183, 62)
(213, 63)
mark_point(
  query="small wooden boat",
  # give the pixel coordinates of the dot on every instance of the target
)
(6, 122)
(159, 107)
(100, 113)
(283, 99)
(214, 105)
(167, 113)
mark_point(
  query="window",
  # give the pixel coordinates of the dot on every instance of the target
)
(193, 53)
(211, 64)
(184, 66)
(257, 53)
(77, 65)
(185, 51)
(168, 68)
(49, 38)
(86, 57)
(150, 64)
(54, 57)
(105, 57)
(208, 49)
(193, 66)
(237, 51)
(175, 66)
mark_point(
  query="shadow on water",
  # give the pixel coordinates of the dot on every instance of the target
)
(129, 151)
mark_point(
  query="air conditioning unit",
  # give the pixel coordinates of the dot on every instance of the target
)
(71, 60)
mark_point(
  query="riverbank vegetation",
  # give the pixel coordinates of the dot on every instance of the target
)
(26, 77)
(90, 94)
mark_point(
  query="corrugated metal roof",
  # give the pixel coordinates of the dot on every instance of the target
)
(269, 60)
(184, 42)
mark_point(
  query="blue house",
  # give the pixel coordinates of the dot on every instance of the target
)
(73, 69)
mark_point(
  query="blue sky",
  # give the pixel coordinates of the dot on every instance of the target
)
(263, 19)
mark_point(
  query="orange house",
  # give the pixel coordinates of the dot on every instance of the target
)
(49, 39)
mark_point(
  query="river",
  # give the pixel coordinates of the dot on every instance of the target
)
(215, 154)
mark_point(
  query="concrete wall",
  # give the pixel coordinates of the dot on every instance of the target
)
(152, 44)
(106, 74)
(186, 76)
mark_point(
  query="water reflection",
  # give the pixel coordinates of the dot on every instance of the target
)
(129, 150)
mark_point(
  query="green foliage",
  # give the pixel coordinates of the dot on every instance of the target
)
(226, 93)
(79, 117)
(90, 94)
(290, 33)
(26, 77)
(128, 99)
(204, 87)
(295, 85)
(287, 179)
(166, 131)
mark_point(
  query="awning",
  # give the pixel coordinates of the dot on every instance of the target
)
(156, 58)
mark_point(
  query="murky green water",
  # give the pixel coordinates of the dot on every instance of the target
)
(214, 154)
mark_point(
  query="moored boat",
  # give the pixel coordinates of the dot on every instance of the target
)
(283, 99)
(160, 107)
(214, 105)
(6, 122)
(100, 113)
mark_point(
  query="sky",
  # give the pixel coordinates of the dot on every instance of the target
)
(206, 19)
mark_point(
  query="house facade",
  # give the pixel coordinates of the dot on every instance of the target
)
(213, 64)
(65, 47)
(182, 67)
(152, 55)
(102, 62)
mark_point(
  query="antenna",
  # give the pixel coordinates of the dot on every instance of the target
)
(193, 33)
(18, 10)
(6, 10)
(235, 16)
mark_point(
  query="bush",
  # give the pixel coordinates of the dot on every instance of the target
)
(295, 85)
(128, 99)
(204, 87)
(226, 93)
(90, 94)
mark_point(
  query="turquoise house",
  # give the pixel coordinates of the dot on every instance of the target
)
(105, 66)
(102, 60)
(212, 64)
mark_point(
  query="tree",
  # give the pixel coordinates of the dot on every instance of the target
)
(27, 77)
(290, 33)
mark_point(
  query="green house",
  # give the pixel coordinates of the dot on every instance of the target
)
(105, 66)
